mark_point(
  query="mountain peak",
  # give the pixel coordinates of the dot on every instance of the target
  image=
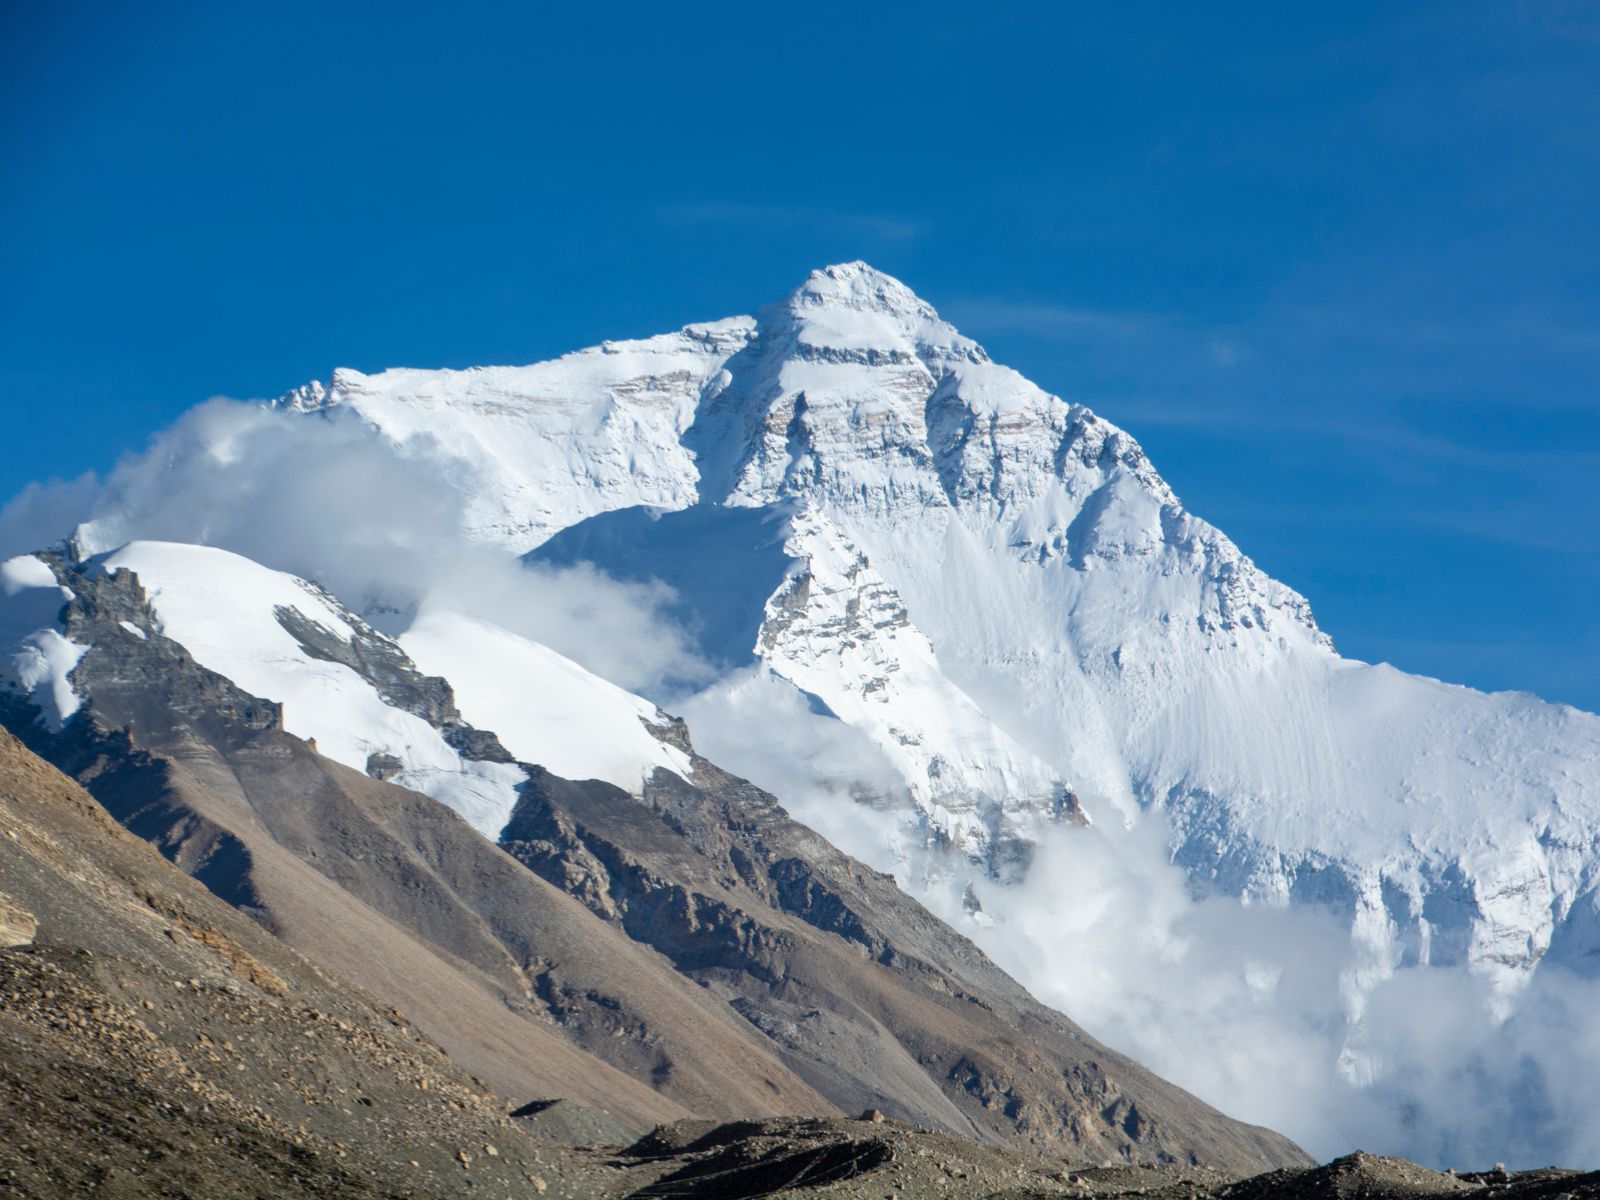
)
(859, 285)
(853, 307)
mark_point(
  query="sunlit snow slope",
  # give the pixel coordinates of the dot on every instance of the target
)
(369, 702)
(36, 657)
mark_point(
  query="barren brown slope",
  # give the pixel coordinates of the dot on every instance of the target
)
(479, 950)
(868, 995)
(459, 999)
(154, 1041)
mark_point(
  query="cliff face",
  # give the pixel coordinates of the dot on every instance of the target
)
(866, 995)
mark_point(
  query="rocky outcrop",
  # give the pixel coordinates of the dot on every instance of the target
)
(17, 925)
(382, 663)
(863, 993)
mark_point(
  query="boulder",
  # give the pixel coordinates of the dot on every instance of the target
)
(17, 924)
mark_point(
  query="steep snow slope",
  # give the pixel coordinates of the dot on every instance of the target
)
(228, 612)
(541, 447)
(351, 689)
(997, 587)
(36, 657)
(838, 630)
(546, 709)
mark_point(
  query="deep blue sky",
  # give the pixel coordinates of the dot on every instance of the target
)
(1339, 270)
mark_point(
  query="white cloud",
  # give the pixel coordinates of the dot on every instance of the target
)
(43, 513)
(325, 498)
(828, 775)
(1063, 322)
(1279, 1017)
(1276, 1016)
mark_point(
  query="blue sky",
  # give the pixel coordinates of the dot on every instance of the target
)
(1339, 270)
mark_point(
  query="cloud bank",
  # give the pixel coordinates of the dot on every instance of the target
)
(1279, 1017)
(324, 498)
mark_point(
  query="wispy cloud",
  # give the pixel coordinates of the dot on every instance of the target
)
(1572, 20)
(1509, 329)
(318, 498)
(793, 216)
(1052, 321)
(1165, 336)
(1361, 430)
(1225, 352)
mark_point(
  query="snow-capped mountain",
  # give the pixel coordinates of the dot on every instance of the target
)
(373, 703)
(995, 585)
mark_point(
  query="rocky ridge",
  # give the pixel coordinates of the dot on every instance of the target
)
(740, 913)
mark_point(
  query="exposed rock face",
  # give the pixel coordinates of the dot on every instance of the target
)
(382, 663)
(114, 616)
(866, 996)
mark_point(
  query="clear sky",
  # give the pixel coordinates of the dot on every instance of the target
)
(1337, 266)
